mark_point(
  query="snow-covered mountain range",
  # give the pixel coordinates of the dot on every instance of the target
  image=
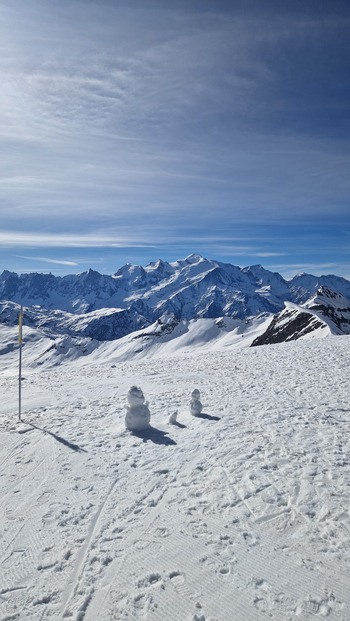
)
(191, 288)
(167, 307)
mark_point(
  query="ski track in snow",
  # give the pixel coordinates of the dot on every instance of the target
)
(240, 514)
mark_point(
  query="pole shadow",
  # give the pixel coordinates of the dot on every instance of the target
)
(74, 447)
(154, 435)
(207, 416)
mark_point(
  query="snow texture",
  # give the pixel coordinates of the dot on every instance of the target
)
(241, 514)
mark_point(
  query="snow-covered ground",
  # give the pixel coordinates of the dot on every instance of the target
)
(240, 514)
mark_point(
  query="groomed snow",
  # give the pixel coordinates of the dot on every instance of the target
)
(241, 513)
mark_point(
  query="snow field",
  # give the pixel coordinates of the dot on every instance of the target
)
(240, 513)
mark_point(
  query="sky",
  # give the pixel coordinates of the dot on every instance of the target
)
(142, 129)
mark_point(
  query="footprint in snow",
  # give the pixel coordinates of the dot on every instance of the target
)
(177, 577)
(150, 581)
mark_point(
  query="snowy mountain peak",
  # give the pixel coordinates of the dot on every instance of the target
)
(254, 268)
(333, 307)
(302, 284)
(191, 288)
(157, 263)
(160, 267)
(331, 298)
(194, 258)
(190, 260)
(6, 274)
(130, 273)
(301, 275)
(90, 274)
(328, 312)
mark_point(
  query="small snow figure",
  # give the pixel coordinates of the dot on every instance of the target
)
(172, 418)
(137, 413)
(195, 404)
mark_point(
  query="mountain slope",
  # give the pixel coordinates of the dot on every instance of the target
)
(333, 307)
(106, 324)
(47, 344)
(326, 313)
(290, 324)
(303, 286)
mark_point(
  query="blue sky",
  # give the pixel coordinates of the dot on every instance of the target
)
(138, 130)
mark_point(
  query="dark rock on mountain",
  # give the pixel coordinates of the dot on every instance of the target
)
(334, 307)
(289, 325)
(327, 310)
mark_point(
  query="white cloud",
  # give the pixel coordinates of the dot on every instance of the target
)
(36, 240)
(116, 117)
(45, 260)
(269, 254)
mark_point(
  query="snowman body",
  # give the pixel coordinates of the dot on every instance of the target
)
(195, 403)
(172, 418)
(137, 413)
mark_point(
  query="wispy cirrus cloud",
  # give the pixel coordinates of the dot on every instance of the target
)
(12, 239)
(46, 260)
(154, 236)
(114, 116)
(121, 116)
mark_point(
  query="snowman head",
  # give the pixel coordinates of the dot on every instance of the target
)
(195, 394)
(135, 396)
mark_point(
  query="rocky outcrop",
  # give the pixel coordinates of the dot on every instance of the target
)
(289, 325)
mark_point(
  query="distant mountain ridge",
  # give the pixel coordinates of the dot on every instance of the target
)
(106, 324)
(190, 289)
(163, 309)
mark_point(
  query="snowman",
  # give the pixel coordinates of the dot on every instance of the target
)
(172, 418)
(195, 404)
(137, 413)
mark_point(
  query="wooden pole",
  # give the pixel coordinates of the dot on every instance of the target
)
(20, 363)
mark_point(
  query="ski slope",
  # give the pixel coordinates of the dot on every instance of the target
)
(241, 514)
